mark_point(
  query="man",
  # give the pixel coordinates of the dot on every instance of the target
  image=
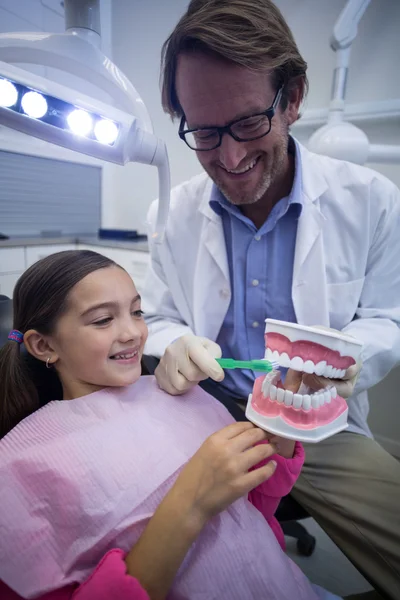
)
(272, 230)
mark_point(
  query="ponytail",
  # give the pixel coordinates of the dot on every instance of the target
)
(18, 394)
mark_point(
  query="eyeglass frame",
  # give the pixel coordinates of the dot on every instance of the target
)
(269, 112)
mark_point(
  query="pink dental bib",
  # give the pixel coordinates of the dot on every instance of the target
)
(83, 476)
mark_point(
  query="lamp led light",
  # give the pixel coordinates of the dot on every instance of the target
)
(80, 122)
(8, 93)
(106, 131)
(34, 105)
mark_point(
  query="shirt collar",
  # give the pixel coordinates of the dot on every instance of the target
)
(218, 202)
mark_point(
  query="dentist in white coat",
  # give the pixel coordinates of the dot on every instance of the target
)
(272, 230)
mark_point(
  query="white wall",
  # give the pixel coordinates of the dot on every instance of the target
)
(138, 32)
(374, 66)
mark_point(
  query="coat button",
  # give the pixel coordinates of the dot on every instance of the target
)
(255, 324)
(255, 282)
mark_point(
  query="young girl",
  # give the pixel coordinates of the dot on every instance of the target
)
(99, 489)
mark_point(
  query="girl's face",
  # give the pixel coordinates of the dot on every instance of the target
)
(99, 340)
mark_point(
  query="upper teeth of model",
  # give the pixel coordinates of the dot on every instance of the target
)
(298, 364)
(126, 356)
(247, 168)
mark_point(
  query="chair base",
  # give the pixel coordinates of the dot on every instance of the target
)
(305, 542)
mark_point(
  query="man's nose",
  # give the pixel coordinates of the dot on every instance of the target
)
(231, 152)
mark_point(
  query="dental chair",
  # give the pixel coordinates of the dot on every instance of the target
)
(289, 511)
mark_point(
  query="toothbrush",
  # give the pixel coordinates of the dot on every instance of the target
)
(261, 366)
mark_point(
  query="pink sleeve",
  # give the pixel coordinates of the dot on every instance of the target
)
(267, 496)
(108, 580)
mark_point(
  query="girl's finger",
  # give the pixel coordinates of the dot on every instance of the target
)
(247, 439)
(252, 479)
(234, 429)
(255, 455)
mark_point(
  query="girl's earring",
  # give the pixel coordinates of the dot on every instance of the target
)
(48, 365)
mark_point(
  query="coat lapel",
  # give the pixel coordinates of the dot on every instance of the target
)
(211, 300)
(309, 274)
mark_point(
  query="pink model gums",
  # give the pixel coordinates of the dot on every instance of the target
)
(304, 416)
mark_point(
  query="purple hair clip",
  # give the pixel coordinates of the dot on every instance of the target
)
(16, 336)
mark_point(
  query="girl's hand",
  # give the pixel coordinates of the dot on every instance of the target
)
(284, 447)
(218, 474)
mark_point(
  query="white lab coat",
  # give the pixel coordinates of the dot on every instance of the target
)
(346, 267)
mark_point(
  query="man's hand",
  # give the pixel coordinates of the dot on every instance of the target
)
(186, 362)
(344, 387)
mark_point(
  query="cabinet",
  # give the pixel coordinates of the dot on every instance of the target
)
(14, 261)
(35, 253)
(135, 263)
(12, 265)
(7, 283)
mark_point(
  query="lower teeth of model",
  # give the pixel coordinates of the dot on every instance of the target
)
(304, 401)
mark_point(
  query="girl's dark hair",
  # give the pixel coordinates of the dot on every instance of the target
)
(40, 298)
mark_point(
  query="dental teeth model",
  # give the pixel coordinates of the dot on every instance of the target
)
(302, 416)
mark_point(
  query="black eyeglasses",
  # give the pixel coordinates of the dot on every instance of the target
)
(245, 129)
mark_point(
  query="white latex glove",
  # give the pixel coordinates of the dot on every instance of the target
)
(187, 361)
(344, 386)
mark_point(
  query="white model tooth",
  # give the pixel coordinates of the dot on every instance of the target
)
(327, 371)
(342, 374)
(280, 395)
(315, 401)
(309, 366)
(334, 373)
(297, 363)
(284, 360)
(268, 354)
(272, 392)
(333, 392)
(320, 367)
(265, 388)
(306, 402)
(327, 396)
(297, 400)
(275, 355)
(321, 399)
(288, 398)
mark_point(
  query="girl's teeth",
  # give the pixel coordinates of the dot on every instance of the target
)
(125, 356)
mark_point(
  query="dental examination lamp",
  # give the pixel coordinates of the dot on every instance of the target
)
(119, 133)
(339, 138)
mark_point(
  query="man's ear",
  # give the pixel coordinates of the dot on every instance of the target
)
(40, 347)
(295, 93)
